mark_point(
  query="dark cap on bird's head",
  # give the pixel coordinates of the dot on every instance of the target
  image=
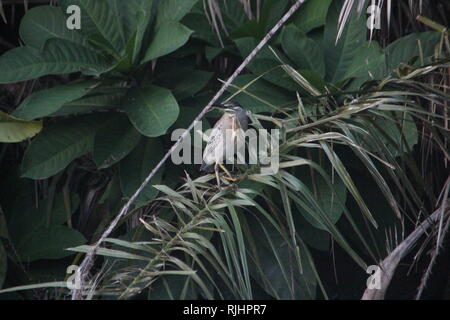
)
(229, 104)
(232, 107)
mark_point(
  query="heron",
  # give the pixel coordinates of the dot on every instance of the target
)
(234, 118)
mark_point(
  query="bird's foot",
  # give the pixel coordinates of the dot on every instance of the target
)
(227, 175)
(230, 178)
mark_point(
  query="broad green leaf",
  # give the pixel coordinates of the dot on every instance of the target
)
(400, 132)
(107, 23)
(304, 52)
(114, 141)
(339, 56)
(136, 167)
(152, 110)
(406, 48)
(250, 28)
(52, 211)
(236, 19)
(257, 188)
(45, 102)
(273, 267)
(314, 81)
(59, 57)
(45, 22)
(307, 202)
(181, 78)
(58, 145)
(98, 99)
(331, 200)
(368, 63)
(311, 14)
(51, 271)
(198, 22)
(266, 63)
(145, 22)
(173, 10)
(40, 233)
(190, 110)
(125, 63)
(50, 244)
(212, 52)
(316, 238)
(191, 84)
(396, 130)
(259, 96)
(16, 130)
(168, 37)
(128, 13)
(113, 194)
(233, 13)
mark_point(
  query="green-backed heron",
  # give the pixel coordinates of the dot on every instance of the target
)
(234, 118)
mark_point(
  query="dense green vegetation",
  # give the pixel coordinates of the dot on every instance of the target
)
(85, 115)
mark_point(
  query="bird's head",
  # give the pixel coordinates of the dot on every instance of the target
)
(236, 111)
(231, 107)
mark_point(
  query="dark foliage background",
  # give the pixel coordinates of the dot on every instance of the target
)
(85, 115)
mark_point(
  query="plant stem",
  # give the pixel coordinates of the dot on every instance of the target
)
(432, 24)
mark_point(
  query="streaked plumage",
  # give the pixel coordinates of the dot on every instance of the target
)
(234, 118)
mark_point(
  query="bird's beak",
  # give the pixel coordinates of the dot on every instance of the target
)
(223, 107)
(217, 106)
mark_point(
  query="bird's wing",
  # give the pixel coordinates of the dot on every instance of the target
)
(215, 150)
(215, 142)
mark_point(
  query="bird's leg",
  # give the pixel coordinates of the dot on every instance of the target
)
(216, 170)
(230, 177)
(233, 126)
